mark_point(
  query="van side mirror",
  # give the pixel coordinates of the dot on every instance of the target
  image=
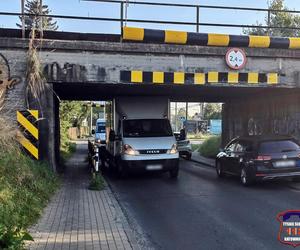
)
(93, 131)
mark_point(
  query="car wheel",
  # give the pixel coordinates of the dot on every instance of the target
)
(188, 156)
(219, 169)
(174, 173)
(246, 178)
(296, 179)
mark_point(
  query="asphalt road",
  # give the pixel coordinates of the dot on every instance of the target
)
(200, 211)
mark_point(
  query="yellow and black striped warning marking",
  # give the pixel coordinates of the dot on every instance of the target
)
(28, 124)
(212, 77)
(204, 39)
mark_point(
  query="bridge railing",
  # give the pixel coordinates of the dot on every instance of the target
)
(123, 19)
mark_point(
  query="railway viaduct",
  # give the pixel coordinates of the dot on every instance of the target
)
(261, 97)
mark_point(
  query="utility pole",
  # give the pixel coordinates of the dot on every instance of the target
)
(41, 18)
(91, 122)
(23, 18)
(186, 110)
(175, 116)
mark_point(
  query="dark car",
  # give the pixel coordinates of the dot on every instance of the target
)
(260, 158)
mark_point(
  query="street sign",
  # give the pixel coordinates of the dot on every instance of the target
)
(236, 58)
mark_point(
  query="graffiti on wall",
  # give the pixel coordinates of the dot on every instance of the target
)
(286, 125)
(68, 73)
(6, 81)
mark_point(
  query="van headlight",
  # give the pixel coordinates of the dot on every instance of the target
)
(128, 150)
(173, 150)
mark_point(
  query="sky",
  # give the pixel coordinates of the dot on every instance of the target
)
(112, 10)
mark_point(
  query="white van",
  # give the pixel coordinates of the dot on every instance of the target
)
(100, 132)
(143, 139)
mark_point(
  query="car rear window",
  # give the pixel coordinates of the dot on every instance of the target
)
(278, 146)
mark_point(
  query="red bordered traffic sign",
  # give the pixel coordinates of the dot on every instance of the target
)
(236, 58)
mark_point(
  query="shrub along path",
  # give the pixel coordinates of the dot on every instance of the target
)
(78, 218)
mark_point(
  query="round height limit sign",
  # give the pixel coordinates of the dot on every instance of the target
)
(236, 58)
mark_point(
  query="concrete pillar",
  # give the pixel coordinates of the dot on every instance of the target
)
(47, 128)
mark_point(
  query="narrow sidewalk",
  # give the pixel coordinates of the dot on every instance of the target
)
(196, 157)
(77, 218)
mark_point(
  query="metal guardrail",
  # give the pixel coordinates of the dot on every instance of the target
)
(123, 20)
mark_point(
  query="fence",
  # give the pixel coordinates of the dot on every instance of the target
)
(196, 23)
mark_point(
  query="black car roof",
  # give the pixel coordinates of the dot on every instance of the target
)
(257, 138)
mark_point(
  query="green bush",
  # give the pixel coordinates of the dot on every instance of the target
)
(210, 147)
(13, 238)
(25, 188)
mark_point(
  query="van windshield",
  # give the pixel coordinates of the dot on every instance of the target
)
(147, 128)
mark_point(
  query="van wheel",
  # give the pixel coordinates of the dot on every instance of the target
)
(246, 178)
(111, 166)
(174, 173)
(121, 170)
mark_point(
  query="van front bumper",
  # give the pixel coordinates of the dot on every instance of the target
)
(151, 165)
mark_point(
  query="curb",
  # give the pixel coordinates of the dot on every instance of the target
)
(202, 162)
(136, 236)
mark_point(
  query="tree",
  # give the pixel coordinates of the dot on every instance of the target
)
(212, 111)
(39, 23)
(278, 19)
(71, 113)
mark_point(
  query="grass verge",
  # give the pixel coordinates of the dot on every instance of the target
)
(210, 147)
(97, 182)
(195, 147)
(25, 188)
(67, 151)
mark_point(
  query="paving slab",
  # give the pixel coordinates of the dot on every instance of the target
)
(78, 218)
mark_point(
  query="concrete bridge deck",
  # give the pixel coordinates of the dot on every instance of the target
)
(101, 67)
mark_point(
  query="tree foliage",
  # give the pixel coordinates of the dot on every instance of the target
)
(35, 22)
(72, 113)
(278, 19)
(212, 111)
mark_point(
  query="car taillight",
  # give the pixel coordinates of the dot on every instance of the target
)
(263, 158)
